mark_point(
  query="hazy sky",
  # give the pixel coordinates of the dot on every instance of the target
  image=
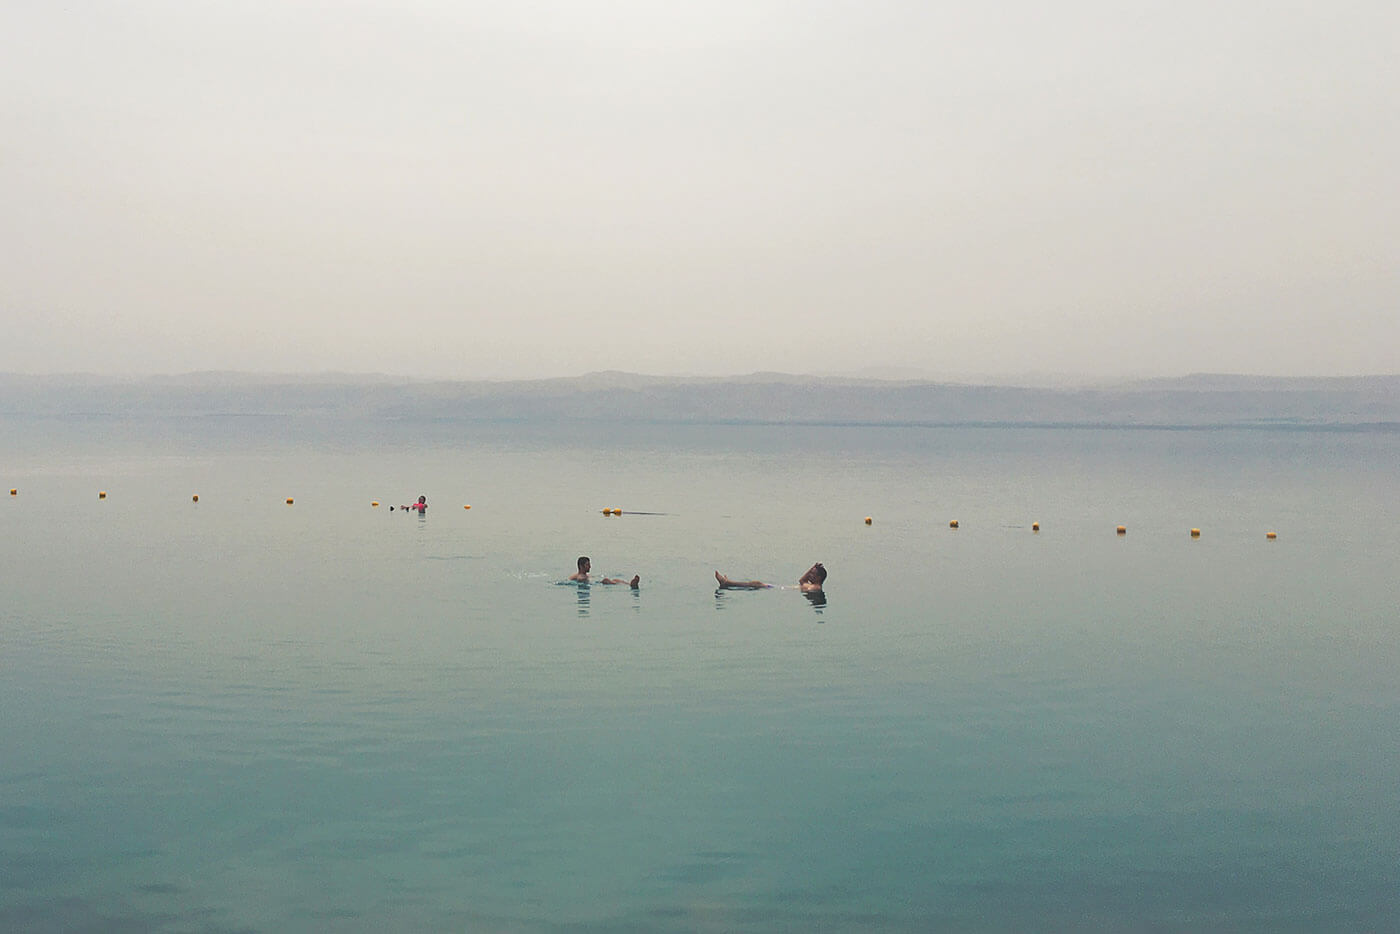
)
(462, 189)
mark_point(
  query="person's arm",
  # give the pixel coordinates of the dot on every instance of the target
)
(727, 584)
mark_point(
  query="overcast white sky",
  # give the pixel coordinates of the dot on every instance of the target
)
(451, 188)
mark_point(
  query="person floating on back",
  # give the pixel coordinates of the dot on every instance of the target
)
(810, 582)
(585, 565)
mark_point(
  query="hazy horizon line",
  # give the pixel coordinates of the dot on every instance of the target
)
(871, 374)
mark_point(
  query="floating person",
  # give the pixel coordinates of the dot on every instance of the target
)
(810, 582)
(421, 506)
(585, 565)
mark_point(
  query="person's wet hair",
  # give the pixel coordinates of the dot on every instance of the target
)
(583, 559)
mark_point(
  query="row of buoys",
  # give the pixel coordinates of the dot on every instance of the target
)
(1121, 530)
(102, 494)
(1195, 533)
(617, 511)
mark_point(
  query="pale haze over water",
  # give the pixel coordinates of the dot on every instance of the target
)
(280, 708)
(467, 190)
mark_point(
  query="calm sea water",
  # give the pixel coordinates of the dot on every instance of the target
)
(239, 715)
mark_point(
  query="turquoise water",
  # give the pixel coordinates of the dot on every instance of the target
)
(239, 715)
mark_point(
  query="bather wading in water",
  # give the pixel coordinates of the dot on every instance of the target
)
(585, 565)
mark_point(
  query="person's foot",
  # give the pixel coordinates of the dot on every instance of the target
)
(721, 579)
(636, 578)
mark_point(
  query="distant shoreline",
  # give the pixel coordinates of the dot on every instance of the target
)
(1193, 402)
(544, 421)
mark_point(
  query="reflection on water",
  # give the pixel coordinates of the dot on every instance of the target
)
(817, 598)
(582, 591)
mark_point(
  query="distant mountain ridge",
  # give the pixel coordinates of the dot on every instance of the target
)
(1193, 400)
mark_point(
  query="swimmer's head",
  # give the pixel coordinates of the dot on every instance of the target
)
(816, 574)
(584, 564)
(422, 499)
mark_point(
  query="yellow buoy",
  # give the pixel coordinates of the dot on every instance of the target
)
(101, 494)
(374, 502)
(468, 506)
(196, 498)
(617, 510)
(1195, 533)
(1122, 530)
(1035, 526)
(1271, 535)
(14, 491)
(607, 510)
(289, 501)
(953, 524)
(868, 520)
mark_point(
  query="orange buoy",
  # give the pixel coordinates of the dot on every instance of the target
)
(953, 524)
(1271, 535)
(868, 520)
(468, 506)
(1035, 526)
(289, 501)
(1122, 530)
(195, 499)
(101, 494)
